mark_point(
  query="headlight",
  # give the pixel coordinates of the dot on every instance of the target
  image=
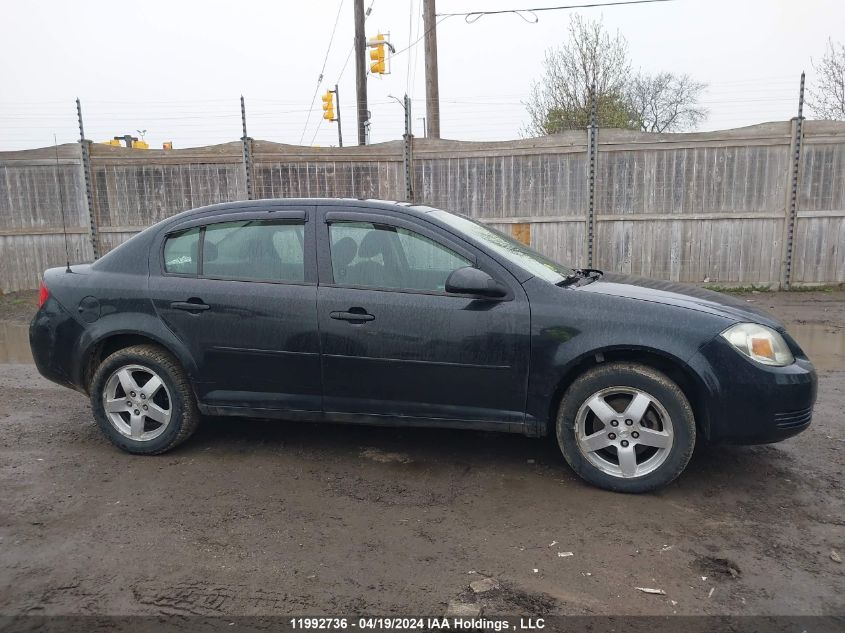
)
(759, 343)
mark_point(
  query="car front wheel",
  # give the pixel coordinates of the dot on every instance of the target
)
(626, 427)
(142, 400)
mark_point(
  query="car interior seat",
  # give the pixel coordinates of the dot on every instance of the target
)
(370, 272)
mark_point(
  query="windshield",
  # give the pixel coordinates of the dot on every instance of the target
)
(512, 250)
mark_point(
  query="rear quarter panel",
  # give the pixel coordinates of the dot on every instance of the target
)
(93, 304)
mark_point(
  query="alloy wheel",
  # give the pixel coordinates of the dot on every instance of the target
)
(137, 402)
(624, 432)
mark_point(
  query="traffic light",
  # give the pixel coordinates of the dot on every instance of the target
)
(328, 106)
(377, 67)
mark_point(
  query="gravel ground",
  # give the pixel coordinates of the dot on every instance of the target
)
(253, 517)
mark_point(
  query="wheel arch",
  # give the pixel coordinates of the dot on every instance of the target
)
(110, 342)
(676, 369)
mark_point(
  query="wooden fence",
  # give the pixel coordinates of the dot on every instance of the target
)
(705, 207)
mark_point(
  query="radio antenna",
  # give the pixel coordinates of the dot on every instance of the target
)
(62, 204)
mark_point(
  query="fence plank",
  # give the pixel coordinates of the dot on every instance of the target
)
(691, 207)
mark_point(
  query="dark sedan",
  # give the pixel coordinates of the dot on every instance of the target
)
(387, 313)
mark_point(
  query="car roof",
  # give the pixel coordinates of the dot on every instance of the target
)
(253, 205)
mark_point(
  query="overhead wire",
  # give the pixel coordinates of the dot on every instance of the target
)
(322, 70)
(473, 16)
(416, 50)
(410, 31)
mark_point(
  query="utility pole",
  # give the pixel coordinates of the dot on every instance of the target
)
(361, 71)
(432, 90)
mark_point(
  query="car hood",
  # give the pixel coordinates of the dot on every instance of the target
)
(681, 296)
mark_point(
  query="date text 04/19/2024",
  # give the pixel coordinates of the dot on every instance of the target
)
(420, 623)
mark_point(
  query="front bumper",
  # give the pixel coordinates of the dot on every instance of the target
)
(750, 403)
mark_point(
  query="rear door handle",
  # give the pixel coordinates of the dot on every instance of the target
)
(351, 316)
(190, 306)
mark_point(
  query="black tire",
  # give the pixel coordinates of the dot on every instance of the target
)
(184, 415)
(638, 377)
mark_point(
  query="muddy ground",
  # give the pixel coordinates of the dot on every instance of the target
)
(253, 517)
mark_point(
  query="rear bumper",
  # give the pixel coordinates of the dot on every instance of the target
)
(51, 334)
(750, 403)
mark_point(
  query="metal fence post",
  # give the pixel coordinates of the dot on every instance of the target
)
(247, 152)
(339, 125)
(795, 146)
(407, 154)
(85, 146)
(592, 149)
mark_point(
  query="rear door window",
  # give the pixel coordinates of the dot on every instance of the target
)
(180, 252)
(255, 250)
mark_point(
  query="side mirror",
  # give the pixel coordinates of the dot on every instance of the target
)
(472, 281)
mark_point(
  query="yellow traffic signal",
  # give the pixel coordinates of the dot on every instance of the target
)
(377, 67)
(328, 106)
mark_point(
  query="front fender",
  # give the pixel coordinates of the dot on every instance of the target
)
(573, 330)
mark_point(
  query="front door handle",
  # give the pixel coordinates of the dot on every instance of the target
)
(351, 316)
(190, 306)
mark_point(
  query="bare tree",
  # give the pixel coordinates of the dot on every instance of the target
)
(591, 55)
(560, 100)
(666, 102)
(827, 100)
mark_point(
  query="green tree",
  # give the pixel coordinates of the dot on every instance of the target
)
(589, 57)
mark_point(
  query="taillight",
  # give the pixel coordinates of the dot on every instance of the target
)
(42, 294)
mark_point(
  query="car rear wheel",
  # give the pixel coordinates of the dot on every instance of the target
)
(626, 427)
(142, 400)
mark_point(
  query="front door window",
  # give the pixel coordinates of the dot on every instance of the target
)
(371, 255)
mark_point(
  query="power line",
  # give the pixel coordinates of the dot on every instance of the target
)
(416, 50)
(472, 16)
(322, 70)
(410, 34)
(422, 37)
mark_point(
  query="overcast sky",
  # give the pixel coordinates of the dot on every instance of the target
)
(177, 68)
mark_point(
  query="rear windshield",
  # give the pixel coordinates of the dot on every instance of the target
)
(515, 252)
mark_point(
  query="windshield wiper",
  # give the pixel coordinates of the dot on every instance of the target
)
(580, 277)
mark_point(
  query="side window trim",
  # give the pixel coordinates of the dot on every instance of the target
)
(446, 241)
(295, 214)
(200, 251)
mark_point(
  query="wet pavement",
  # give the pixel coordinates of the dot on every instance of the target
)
(14, 343)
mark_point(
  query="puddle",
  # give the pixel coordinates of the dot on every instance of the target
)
(14, 343)
(824, 344)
